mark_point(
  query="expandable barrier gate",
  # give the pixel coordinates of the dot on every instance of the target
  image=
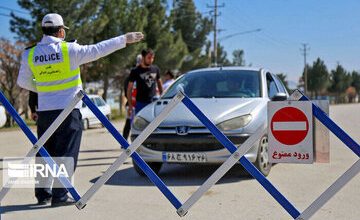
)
(237, 154)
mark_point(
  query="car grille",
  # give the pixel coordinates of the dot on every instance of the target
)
(188, 143)
(183, 147)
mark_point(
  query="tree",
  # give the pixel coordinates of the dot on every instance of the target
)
(193, 26)
(340, 81)
(356, 81)
(171, 52)
(238, 59)
(10, 55)
(194, 29)
(222, 56)
(318, 77)
(168, 44)
(156, 21)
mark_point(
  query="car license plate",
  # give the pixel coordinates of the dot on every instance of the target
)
(181, 157)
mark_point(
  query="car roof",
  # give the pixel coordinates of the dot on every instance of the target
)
(227, 68)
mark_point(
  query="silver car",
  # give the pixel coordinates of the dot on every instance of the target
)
(233, 98)
(88, 117)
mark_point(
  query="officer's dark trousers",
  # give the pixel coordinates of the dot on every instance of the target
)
(65, 142)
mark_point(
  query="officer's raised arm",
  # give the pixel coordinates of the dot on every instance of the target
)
(82, 54)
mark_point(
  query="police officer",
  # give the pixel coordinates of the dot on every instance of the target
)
(51, 68)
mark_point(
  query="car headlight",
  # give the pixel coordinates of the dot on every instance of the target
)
(140, 123)
(235, 123)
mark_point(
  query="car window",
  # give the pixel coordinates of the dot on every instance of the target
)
(99, 102)
(272, 88)
(280, 85)
(218, 84)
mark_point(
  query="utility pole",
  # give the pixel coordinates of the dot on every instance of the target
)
(304, 52)
(215, 7)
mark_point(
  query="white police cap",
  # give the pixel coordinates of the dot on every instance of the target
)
(53, 20)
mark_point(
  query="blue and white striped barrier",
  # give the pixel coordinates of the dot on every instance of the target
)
(130, 151)
(344, 178)
(237, 154)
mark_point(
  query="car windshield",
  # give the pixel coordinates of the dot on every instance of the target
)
(217, 84)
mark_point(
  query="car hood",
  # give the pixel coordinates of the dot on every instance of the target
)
(216, 109)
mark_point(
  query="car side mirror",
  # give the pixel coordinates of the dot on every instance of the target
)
(279, 97)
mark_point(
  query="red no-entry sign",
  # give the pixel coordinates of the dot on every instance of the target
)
(289, 125)
(290, 132)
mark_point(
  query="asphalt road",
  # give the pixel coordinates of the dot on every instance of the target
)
(129, 196)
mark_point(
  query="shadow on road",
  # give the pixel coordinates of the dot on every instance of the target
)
(100, 151)
(23, 207)
(97, 158)
(176, 175)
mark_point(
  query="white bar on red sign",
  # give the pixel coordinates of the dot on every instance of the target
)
(289, 126)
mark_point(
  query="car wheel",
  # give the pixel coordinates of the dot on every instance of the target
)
(262, 161)
(155, 166)
(85, 124)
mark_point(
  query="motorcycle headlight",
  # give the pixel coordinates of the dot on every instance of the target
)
(235, 123)
(140, 123)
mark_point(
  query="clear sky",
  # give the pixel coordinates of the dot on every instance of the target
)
(331, 28)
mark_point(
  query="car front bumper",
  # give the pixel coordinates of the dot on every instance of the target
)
(186, 148)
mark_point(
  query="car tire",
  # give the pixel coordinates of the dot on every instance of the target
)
(85, 123)
(262, 160)
(155, 166)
